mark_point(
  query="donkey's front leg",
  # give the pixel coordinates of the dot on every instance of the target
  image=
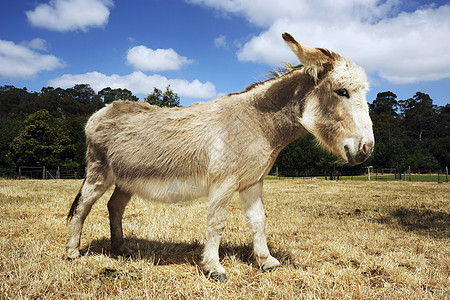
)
(254, 209)
(218, 203)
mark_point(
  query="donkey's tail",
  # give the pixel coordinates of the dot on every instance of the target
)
(75, 204)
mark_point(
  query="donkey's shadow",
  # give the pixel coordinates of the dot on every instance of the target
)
(169, 252)
(159, 252)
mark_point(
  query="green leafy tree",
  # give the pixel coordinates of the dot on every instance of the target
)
(87, 98)
(41, 143)
(74, 126)
(9, 129)
(420, 116)
(304, 154)
(15, 102)
(441, 146)
(441, 151)
(51, 100)
(109, 95)
(443, 128)
(166, 98)
(390, 153)
(82, 92)
(388, 131)
(385, 103)
(421, 160)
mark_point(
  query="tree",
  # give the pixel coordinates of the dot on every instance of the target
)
(41, 143)
(419, 115)
(304, 154)
(441, 150)
(109, 95)
(51, 100)
(444, 121)
(390, 153)
(9, 129)
(82, 92)
(74, 126)
(422, 160)
(168, 98)
(385, 103)
(388, 131)
(15, 102)
(441, 146)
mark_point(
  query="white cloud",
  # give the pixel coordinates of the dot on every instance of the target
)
(400, 47)
(146, 59)
(138, 83)
(70, 15)
(36, 44)
(220, 42)
(18, 61)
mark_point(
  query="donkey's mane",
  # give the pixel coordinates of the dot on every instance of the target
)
(271, 75)
(277, 73)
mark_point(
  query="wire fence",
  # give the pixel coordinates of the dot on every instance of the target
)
(357, 174)
(364, 174)
(26, 172)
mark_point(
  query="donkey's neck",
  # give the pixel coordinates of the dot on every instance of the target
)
(279, 103)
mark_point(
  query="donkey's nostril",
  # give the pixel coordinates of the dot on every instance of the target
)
(365, 149)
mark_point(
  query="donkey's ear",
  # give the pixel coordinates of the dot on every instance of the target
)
(314, 59)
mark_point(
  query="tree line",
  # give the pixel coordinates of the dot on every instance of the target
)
(46, 128)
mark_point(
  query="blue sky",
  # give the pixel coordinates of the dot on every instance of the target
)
(207, 48)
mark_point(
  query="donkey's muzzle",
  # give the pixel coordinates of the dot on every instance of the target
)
(363, 153)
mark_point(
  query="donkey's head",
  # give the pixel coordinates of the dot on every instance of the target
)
(336, 111)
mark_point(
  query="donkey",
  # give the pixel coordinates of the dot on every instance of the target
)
(220, 147)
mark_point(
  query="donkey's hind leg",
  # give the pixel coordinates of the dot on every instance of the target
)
(93, 188)
(116, 207)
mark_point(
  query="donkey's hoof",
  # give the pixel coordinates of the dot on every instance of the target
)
(123, 251)
(220, 277)
(72, 254)
(270, 264)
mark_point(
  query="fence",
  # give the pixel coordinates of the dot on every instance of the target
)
(359, 174)
(365, 174)
(24, 172)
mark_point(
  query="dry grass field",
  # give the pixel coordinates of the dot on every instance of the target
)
(336, 240)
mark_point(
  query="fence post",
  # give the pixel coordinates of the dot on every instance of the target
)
(446, 172)
(58, 174)
(20, 173)
(276, 171)
(409, 171)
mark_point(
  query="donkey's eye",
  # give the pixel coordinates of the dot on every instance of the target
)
(342, 93)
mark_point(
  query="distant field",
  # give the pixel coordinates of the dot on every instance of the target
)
(336, 240)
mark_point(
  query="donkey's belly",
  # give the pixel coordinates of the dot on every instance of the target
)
(168, 191)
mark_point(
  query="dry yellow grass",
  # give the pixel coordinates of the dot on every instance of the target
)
(335, 240)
